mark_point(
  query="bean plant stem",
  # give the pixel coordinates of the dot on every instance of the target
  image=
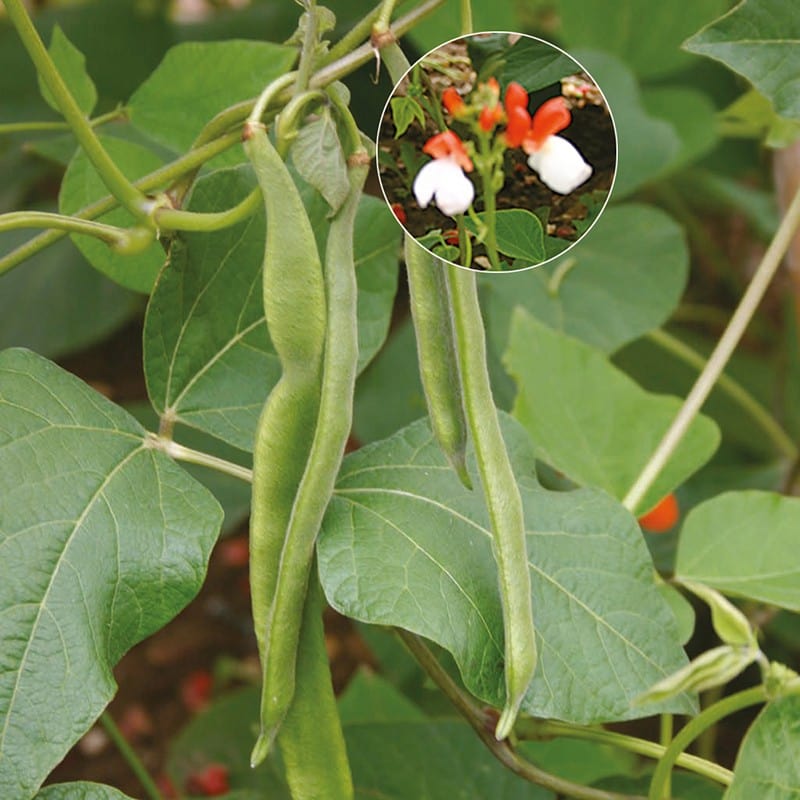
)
(481, 725)
(384, 16)
(535, 729)
(33, 127)
(489, 202)
(354, 37)
(693, 728)
(127, 194)
(45, 219)
(466, 17)
(177, 220)
(310, 41)
(181, 453)
(732, 388)
(129, 754)
(719, 358)
(665, 737)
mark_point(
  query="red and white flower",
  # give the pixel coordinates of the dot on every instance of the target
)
(443, 180)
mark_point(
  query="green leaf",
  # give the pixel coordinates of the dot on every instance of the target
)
(579, 761)
(71, 65)
(404, 543)
(196, 80)
(371, 698)
(752, 116)
(82, 185)
(62, 286)
(759, 40)
(317, 154)
(744, 543)
(80, 790)
(108, 540)
(647, 145)
(627, 277)
(208, 359)
(591, 421)
(767, 767)
(519, 234)
(404, 111)
(646, 35)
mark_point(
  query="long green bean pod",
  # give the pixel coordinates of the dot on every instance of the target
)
(294, 305)
(503, 499)
(436, 349)
(310, 739)
(332, 428)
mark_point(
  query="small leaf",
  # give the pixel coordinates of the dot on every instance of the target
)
(767, 766)
(625, 279)
(602, 436)
(105, 540)
(82, 185)
(71, 65)
(745, 544)
(519, 234)
(404, 111)
(404, 543)
(317, 154)
(759, 40)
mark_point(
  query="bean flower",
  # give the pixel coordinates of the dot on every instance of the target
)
(556, 160)
(443, 180)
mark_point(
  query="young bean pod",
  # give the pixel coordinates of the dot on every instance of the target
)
(436, 349)
(310, 739)
(294, 305)
(503, 499)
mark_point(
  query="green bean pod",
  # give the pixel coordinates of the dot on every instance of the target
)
(310, 739)
(332, 428)
(503, 499)
(294, 305)
(436, 349)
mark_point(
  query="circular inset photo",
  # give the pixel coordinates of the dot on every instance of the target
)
(497, 151)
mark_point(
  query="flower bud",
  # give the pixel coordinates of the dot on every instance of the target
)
(516, 97)
(453, 101)
(729, 623)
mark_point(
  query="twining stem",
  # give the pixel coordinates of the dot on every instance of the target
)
(665, 737)
(33, 127)
(480, 723)
(693, 728)
(181, 453)
(559, 273)
(177, 220)
(489, 202)
(500, 489)
(760, 415)
(465, 10)
(45, 219)
(384, 16)
(308, 51)
(719, 358)
(355, 36)
(536, 729)
(127, 194)
(129, 754)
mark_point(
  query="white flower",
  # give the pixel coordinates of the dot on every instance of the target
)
(560, 165)
(443, 181)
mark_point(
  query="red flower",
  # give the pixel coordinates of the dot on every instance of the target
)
(448, 145)
(399, 213)
(519, 124)
(489, 117)
(453, 101)
(196, 690)
(663, 516)
(516, 97)
(551, 117)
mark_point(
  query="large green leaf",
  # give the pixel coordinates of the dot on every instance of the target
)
(744, 543)
(103, 541)
(80, 790)
(71, 65)
(209, 362)
(62, 286)
(647, 145)
(82, 185)
(759, 39)
(404, 543)
(767, 766)
(646, 35)
(627, 277)
(196, 80)
(591, 421)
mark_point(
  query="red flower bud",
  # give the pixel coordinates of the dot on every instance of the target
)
(519, 124)
(516, 97)
(663, 517)
(489, 117)
(453, 101)
(551, 117)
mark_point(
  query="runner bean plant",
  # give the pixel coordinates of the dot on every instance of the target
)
(542, 568)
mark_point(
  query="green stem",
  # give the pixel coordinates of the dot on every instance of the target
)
(44, 219)
(160, 177)
(707, 741)
(181, 453)
(719, 358)
(502, 751)
(464, 242)
(310, 41)
(384, 16)
(177, 220)
(535, 729)
(665, 737)
(33, 127)
(287, 122)
(129, 754)
(559, 273)
(733, 389)
(692, 729)
(127, 194)
(354, 37)
(489, 203)
(466, 17)
(351, 126)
